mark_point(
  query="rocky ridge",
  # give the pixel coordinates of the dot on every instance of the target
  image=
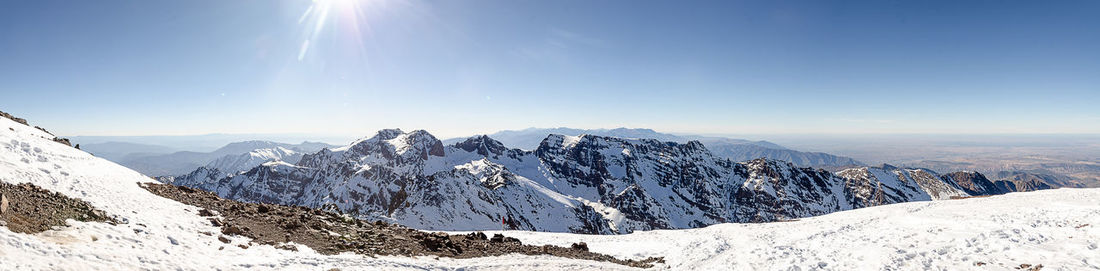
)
(583, 184)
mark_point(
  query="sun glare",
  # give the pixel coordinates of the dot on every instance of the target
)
(324, 12)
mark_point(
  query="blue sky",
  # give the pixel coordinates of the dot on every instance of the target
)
(464, 67)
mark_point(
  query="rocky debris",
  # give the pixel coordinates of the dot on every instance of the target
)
(206, 212)
(500, 238)
(63, 141)
(41, 129)
(332, 233)
(19, 120)
(581, 246)
(1030, 267)
(3, 203)
(24, 122)
(31, 209)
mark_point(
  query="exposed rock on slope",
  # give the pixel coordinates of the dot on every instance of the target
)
(24, 122)
(332, 233)
(974, 183)
(27, 208)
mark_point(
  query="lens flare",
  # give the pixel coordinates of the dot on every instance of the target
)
(315, 19)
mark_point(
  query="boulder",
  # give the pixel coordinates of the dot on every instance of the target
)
(477, 236)
(3, 203)
(582, 246)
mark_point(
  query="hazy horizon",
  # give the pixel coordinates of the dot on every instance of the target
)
(845, 144)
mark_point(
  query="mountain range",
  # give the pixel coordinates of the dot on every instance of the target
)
(177, 163)
(734, 149)
(582, 184)
(52, 185)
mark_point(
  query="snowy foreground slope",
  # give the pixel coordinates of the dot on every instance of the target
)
(1059, 229)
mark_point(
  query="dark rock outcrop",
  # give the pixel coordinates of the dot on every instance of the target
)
(27, 208)
(976, 184)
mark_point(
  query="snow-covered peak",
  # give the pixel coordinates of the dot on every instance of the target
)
(271, 153)
(419, 141)
(381, 135)
(491, 175)
(387, 134)
(482, 145)
(233, 164)
(397, 142)
(245, 146)
(566, 142)
(889, 184)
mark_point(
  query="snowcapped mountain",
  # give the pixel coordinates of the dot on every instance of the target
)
(888, 184)
(186, 161)
(231, 164)
(235, 164)
(586, 184)
(530, 138)
(734, 149)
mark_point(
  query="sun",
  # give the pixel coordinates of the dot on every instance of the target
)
(341, 4)
(323, 12)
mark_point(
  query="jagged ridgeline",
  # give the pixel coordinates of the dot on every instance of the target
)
(582, 184)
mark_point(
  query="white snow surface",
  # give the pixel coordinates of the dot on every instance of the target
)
(233, 164)
(1056, 228)
(1059, 229)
